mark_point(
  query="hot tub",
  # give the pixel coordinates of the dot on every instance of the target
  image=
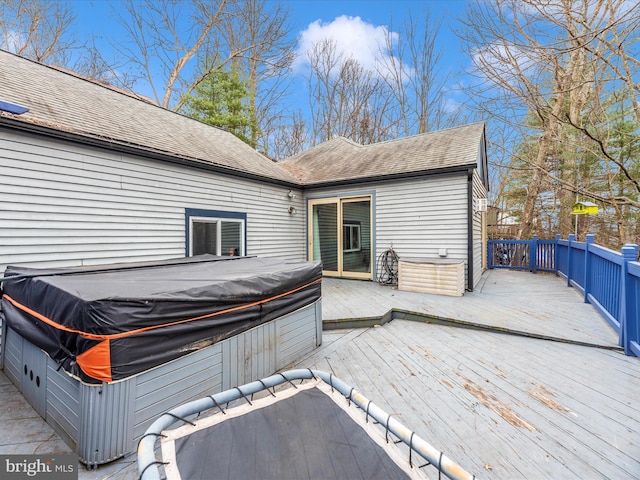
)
(100, 352)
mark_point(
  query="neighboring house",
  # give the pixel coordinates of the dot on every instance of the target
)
(94, 175)
(500, 224)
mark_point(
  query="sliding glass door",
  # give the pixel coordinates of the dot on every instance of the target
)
(340, 235)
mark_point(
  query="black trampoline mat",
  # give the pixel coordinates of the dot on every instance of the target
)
(304, 436)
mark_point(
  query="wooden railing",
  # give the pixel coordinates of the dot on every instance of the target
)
(609, 280)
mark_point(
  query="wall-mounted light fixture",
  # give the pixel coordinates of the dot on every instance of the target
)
(292, 210)
(291, 194)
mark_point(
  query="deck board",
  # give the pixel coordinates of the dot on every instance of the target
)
(502, 406)
(435, 382)
(525, 408)
(520, 398)
(540, 304)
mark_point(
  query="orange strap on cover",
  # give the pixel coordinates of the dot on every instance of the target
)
(113, 336)
(96, 361)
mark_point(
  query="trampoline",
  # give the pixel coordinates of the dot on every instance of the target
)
(318, 428)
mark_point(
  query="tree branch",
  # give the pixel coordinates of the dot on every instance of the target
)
(603, 150)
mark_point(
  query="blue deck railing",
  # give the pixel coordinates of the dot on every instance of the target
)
(609, 280)
(533, 255)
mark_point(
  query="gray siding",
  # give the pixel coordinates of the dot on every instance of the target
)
(479, 247)
(162, 388)
(297, 336)
(63, 403)
(417, 217)
(63, 204)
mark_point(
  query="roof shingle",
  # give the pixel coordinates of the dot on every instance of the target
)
(62, 101)
(68, 103)
(341, 159)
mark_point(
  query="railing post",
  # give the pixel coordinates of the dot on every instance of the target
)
(628, 327)
(489, 254)
(555, 254)
(533, 254)
(571, 239)
(587, 265)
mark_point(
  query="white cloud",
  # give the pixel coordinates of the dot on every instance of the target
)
(354, 37)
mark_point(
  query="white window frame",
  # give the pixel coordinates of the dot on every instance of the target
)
(218, 221)
(355, 228)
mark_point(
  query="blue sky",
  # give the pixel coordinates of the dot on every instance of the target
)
(354, 22)
(96, 15)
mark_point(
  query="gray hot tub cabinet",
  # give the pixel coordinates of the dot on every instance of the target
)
(104, 422)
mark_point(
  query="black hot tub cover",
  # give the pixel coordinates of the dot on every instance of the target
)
(107, 324)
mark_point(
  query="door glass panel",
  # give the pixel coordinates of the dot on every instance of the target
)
(356, 236)
(325, 235)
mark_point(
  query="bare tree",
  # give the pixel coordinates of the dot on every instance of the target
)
(414, 77)
(403, 94)
(163, 36)
(92, 64)
(261, 30)
(553, 61)
(345, 98)
(169, 40)
(38, 29)
(290, 137)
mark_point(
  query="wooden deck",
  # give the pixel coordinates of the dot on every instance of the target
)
(541, 305)
(503, 403)
(501, 406)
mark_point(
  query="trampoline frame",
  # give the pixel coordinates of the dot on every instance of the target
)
(149, 466)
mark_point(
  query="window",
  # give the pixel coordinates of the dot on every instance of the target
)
(350, 237)
(215, 232)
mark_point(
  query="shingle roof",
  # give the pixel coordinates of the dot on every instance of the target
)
(67, 103)
(342, 160)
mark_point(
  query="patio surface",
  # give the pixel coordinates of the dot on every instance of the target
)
(541, 305)
(542, 392)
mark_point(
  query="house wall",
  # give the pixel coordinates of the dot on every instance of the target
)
(479, 244)
(64, 204)
(416, 216)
